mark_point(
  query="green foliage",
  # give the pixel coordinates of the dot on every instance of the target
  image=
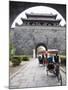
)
(25, 58)
(63, 53)
(16, 60)
(63, 60)
(11, 51)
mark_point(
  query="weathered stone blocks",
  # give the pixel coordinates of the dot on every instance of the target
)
(25, 38)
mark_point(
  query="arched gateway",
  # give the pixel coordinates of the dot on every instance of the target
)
(38, 45)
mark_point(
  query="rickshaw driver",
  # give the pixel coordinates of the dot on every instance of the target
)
(50, 62)
(50, 59)
(56, 58)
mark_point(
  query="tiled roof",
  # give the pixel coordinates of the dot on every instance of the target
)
(40, 14)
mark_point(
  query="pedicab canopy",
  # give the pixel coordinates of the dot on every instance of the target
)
(49, 51)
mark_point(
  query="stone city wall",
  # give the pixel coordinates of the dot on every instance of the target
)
(25, 38)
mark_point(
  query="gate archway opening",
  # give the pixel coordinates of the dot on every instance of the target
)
(40, 47)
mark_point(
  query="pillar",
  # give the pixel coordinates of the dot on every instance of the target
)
(33, 53)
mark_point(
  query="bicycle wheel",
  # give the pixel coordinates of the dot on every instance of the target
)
(60, 79)
(47, 72)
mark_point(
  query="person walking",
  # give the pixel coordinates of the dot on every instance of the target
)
(43, 59)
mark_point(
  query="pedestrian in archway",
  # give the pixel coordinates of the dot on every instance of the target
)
(43, 59)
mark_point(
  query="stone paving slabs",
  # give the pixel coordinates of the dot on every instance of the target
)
(34, 75)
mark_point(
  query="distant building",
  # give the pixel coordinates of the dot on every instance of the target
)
(40, 19)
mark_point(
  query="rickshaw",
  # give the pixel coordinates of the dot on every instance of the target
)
(53, 65)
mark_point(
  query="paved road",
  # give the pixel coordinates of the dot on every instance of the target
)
(34, 75)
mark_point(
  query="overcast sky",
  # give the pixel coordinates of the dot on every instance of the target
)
(38, 9)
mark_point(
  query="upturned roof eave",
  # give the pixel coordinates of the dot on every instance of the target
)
(58, 20)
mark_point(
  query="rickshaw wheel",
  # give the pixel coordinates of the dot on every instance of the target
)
(47, 71)
(60, 79)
